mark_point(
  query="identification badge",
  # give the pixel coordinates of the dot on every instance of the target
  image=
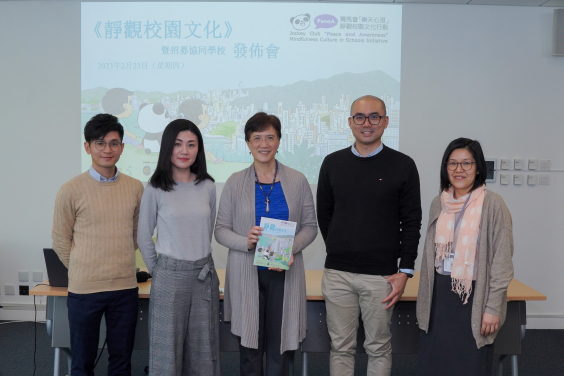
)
(447, 263)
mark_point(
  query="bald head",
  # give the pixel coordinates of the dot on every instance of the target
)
(368, 98)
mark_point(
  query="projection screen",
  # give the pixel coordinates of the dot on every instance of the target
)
(217, 64)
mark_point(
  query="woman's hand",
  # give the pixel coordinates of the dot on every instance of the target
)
(289, 264)
(490, 324)
(252, 237)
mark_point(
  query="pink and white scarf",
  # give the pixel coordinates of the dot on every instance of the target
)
(468, 229)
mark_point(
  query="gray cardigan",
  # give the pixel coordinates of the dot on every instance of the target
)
(495, 266)
(235, 217)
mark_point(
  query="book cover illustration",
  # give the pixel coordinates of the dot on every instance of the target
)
(275, 244)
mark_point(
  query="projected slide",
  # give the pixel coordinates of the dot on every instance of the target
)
(217, 64)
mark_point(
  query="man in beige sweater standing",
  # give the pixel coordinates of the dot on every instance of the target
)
(94, 234)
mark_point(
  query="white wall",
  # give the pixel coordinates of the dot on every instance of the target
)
(482, 72)
(487, 73)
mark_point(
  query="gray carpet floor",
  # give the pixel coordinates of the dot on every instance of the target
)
(543, 355)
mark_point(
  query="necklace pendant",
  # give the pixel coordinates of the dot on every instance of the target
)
(267, 202)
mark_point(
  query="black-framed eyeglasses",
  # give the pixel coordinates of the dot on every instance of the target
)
(466, 165)
(101, 145)
(373, 119)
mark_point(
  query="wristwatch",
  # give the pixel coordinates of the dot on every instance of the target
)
(409, 275)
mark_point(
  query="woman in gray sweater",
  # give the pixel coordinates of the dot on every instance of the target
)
(184, 307)
(465, 269)
(266, 307)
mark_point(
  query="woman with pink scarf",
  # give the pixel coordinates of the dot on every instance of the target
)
(465, 270)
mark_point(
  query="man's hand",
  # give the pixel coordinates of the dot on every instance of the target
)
(490, 324)
(398, 282)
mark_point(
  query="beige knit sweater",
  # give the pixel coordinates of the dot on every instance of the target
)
(95, 232)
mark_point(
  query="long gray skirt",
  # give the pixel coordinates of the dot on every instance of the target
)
(184, 318)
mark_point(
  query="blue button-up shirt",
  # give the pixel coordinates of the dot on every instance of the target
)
(378, 149)
(355, 152)
(99, 177)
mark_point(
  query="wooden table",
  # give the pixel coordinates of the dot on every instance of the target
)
(405, 331)
(517, 291)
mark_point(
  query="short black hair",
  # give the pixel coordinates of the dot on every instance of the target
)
(113, 100)
(474, 147)
(100, 125)
(191, 109)
(162, 177)
(261, 121)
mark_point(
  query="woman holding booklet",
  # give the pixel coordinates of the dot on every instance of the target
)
(265, 298)
(465, 269)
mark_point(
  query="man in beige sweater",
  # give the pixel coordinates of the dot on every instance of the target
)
(94, 234)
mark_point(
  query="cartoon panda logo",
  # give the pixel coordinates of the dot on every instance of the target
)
(301, 21)
(153, 119)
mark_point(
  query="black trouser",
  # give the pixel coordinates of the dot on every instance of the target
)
(271, 303)
(85, 314)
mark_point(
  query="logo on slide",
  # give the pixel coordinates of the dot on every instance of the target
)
(147, 170)
(325, 21)
(301, 21)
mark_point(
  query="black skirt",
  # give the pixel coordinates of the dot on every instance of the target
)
(449, 347)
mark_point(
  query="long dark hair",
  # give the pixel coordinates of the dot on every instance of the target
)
(474, 147)
(162, 178)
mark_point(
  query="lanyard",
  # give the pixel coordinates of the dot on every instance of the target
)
(461, 212)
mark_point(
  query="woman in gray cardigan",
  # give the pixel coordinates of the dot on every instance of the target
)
(266, 307)
(465, 270)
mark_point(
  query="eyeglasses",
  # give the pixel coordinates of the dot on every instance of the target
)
(101, 145)
(268, 139)
(466, 165)
(373, 119)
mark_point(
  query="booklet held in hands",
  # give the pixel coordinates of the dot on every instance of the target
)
(274, 246)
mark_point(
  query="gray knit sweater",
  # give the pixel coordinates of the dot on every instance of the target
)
(184, 218)
(495, 266)
(235, 217)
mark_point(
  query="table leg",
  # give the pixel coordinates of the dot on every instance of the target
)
(57, 362)
(304, 364)
(514, 365)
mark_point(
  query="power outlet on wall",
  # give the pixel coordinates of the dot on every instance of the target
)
(505, 164)
(9, 290)
(37, 276)
(517, 179)
(24, 290)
